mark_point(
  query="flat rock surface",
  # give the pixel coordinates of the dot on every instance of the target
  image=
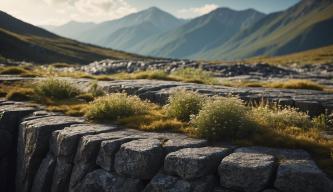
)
(250, 172)
(140, 158)
(191, 163)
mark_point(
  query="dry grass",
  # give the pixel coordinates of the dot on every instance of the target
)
(295, 84)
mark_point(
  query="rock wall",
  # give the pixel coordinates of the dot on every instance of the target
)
(55, 153)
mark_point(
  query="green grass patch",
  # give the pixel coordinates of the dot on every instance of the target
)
(56, 89)
(296, 84)
(115, 106)
(223, 118)
(194, 76)
(184, 104)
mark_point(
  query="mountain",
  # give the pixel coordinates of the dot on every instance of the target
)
(139, 26)
(200, 34)
(303, 26)
(72, 29)
(22, 41)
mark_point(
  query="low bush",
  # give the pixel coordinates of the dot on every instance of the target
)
(56, 89)
(115, 106)
(223, 117)
(296, 84)
(276, 117)
(183, 104)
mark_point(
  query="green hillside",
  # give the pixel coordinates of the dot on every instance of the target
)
(24, 42)
(301, 27)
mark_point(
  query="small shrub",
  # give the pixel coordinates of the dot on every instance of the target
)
(116, 106)
(14, 71)
(20, 94)
(280, 118)
(223, 117)
(56, 89)
(296, 84)
(182, 104)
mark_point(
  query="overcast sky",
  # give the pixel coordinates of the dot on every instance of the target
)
(56, 12)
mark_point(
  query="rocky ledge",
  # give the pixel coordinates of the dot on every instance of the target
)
(50, 152)
(313, 102)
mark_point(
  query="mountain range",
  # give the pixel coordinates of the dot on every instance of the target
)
(221, 34)
(21, 41)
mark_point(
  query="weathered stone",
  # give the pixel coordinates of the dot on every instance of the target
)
(140, 158)
(11, 115)
(43, 179)
(102, 181)
(5, 142)
(175, 144)
(190, 163)
(106, 155)
(64, 144)
(301, 175)
(220, 189)
(166, 183)
(250, 172)
(281, 154)
(87, 151)
(33, 145)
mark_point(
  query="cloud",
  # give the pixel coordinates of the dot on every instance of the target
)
(197, 11)
(91, 10)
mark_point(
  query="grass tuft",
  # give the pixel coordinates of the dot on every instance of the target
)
(14, 71)
(223, 117)
(296, 84)
(56, 89)
(115, 106)
(183, 104)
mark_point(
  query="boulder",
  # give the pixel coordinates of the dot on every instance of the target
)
(175, 144)
(191, 163)
(43, 179)
(87, 151)
(166, 183)
(140, 158)
(107, 152)
(249, 172)
(33, 145)
(102, 181)
(64, 144)
(301, 175)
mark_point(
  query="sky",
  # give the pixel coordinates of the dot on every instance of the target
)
(57, 12)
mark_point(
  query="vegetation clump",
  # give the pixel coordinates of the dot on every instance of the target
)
(194, 76)
(223, 117)
(56, 89)
(14, 71)
(20, 94)
(115, 106)
(276, 117)
(183, 104)
(296, 84)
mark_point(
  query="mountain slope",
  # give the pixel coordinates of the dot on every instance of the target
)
(22, 41)
(200, 34)
(101, 33)
(71, 29)
(301, 27)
